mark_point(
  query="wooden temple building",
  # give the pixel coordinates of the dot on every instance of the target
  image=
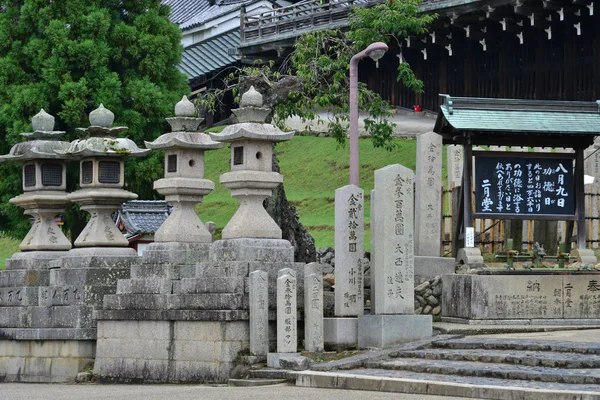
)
(523, 49)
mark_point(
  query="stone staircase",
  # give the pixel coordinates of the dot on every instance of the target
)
(477, 367)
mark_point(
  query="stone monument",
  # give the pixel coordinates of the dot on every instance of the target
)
(259, 313)
(392, 318)
(313, 307)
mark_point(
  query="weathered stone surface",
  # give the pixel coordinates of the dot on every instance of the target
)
(33, 260)
(340, 333)
(259, 313)
(585, 256)
(392, 272)
(349, 250)
(299, 363)
(313, 308)
(433, 266)
(248, 249)
(543, 297)
(383, 331)
(428, 196)
(287, 329)
(455, 161)
(469, 257)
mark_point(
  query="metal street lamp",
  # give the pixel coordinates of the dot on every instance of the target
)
(375, 51)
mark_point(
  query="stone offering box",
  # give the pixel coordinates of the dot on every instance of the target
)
(557, 298)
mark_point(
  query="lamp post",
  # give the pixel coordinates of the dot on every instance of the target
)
(375, 51)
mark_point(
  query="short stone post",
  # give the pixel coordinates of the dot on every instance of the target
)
(259, 313)
(287, 329)
(313, 307)
(428, 196)
(392, 318)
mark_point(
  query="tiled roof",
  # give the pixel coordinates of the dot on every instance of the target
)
(191, 13)
(211, 55)
(143, 216)
(512, 115)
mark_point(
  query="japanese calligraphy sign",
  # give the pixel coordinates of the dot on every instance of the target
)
(349, 251)
(287, 330)
(392, 270)
(523, 185)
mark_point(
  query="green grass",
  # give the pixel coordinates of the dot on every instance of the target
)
(8, 247)
(313, 168)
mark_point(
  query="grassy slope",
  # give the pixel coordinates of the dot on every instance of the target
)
(313, 168)
(8, 247)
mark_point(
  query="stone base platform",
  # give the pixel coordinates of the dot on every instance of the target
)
(340, 333)
(430, 267)
(97, 257)
(546, 322)
(273, 358)
(170, 351)
(33, 260)
(521, 298)
(383, 331)
(44, 361)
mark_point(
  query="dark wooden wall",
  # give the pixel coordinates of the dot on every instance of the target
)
(567, 67)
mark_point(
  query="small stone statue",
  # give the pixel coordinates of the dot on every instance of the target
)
(538, 255)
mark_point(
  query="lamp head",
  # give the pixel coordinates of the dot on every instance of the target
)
(376, 50)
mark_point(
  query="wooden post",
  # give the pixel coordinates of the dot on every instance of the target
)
(580, 199)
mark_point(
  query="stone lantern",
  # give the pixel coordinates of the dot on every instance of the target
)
(102, 156)
(183, 185)
(44, 184)
(251, 179)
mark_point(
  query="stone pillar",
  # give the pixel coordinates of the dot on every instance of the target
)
(313, 307)
(392, 269)
(428, 196)
(392, 273)
(287, 330)
(349, 251)
(259, 313)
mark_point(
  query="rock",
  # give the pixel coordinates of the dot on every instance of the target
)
(433, 301)
(436, 310)
(421, 288)
(295, 363)
(329, 279)
(419, 310)
(427, 310)
(83, 377)
(421, 300)
(428, 292)
(286, 216)
(437, 290)
(436, 281)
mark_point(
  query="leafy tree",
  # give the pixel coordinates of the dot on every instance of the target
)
(320, 63)
(68, 56)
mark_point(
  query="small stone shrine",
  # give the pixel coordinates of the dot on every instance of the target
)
(184, 316)
(392, 320)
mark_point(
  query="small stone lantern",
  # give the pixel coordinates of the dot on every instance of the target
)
(183, 185)
(44, 184)
(101, 178)
(251, 179)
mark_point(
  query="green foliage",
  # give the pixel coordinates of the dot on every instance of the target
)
(68, 56)
(320, 60)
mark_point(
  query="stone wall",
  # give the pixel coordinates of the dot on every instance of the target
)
(44, 360)
(428, 289)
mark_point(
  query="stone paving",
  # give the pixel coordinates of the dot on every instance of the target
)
(492, 370)
(521, 344)
(529, 358)
(471, 380)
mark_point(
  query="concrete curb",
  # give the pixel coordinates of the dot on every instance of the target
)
(337, 380)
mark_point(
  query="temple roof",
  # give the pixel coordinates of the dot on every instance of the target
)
(516, 122)
(143, 216)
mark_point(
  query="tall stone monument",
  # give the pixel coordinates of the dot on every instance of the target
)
(341, 331)
(428, 196)
(313, 307)
(392, 318)
(454, 160)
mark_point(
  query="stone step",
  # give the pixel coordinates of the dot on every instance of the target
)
(269, 373)
(444, 385)
(256, 382)
(491, 370)
(520, 344)
(552, 359)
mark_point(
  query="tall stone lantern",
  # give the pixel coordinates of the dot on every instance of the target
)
(251, 179)
(184, 185)
(102, 157)
(44, 184)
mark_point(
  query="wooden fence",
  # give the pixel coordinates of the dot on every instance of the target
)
(490, 233)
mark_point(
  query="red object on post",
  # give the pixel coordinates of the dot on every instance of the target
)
(417, 108)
